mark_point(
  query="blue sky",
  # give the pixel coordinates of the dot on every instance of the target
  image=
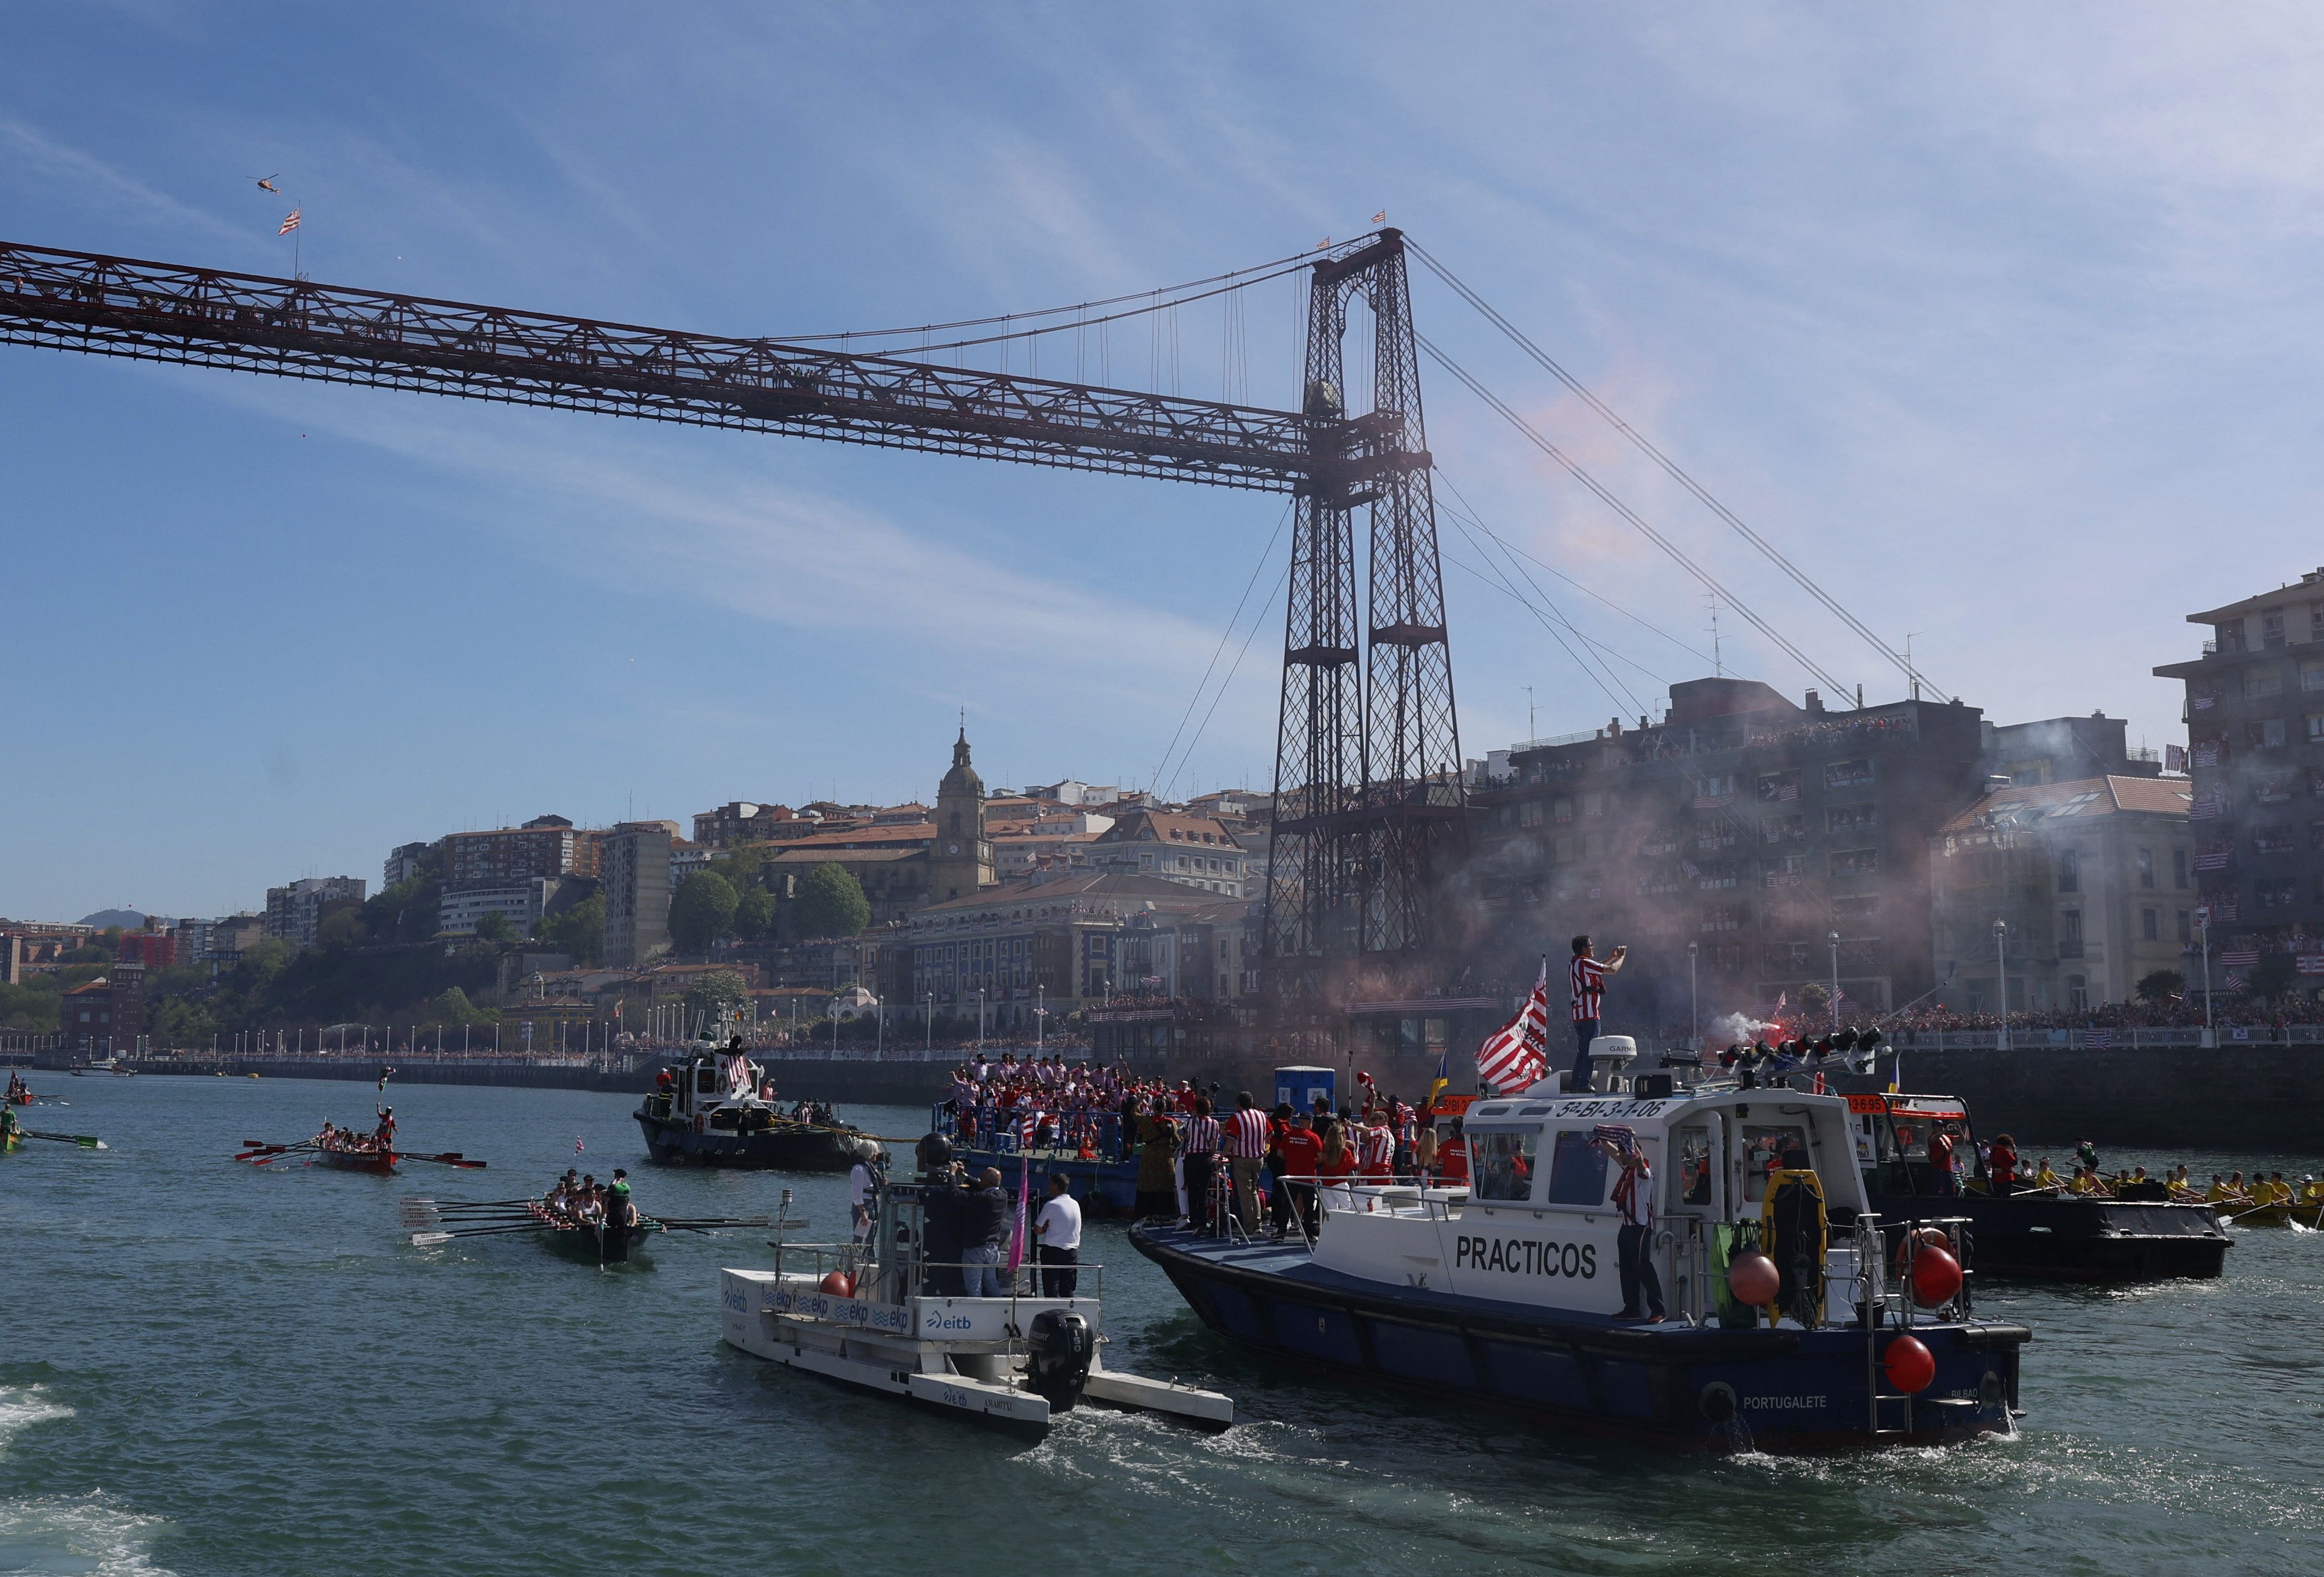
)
(2003, 325)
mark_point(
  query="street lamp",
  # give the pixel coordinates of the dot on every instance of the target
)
(2203, 929)
(928, 1021)
(1694, 999)
(2001, 968)
(1040, 1018)
(1835, 982)
(980, 1017)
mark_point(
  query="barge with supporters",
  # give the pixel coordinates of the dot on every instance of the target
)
(1790, 1326)
(1087, 1149)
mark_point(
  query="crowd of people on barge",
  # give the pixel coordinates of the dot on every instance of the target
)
(1184, 1139)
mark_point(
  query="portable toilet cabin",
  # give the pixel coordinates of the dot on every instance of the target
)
(1299, 1086)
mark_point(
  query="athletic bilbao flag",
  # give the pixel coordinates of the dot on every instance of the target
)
(1517, 1053)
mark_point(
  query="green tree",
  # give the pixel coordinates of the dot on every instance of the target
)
(493, 926)
(1814, 1000)
(702, 911)
(2273, 978)
(830, 903)
(578, 931)
(452, 1007)
(721, 988)
(341, 928)
(34, 1006)
(2159, 986)
(754, 916)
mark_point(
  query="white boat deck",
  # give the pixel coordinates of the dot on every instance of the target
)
(962, 1353)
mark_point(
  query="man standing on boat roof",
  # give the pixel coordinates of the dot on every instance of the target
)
(1587, 976)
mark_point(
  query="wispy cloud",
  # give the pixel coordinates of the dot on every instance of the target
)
(41, 157)
(727, 539)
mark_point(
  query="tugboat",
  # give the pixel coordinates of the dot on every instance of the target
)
(2027, 1234)
(1506, 1294)
(862, 1314)
(710, 1112)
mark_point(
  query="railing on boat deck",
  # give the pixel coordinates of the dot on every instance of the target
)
(1399, 1195)
(852, 1259)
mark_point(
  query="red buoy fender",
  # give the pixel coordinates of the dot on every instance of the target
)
(1911, 1366)
(838, 1284)
(1936, 1277)
(1753, 1278)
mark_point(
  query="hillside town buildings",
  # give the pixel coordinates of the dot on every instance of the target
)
(296, 913)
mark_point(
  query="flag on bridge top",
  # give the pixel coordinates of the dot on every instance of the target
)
(1380, 218)
(289, 224)
(1517, 1053)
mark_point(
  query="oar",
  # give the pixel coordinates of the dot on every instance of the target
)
(88, 1141)
(2247, 1210)
(704, 1222)
(430, 1240)
(449, 1159)
(286, 1151)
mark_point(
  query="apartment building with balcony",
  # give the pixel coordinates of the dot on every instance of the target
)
(2254, 713)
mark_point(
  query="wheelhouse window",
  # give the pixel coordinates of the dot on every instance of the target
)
(1767, 1149)
(1691, 1178)
(1577, 1171)
(1502, 1166)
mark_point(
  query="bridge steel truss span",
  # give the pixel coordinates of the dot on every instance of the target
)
(1368, 791)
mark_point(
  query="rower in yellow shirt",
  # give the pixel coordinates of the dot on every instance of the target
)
(2084, 1184)
(2219, 1192)
(2044, 1178)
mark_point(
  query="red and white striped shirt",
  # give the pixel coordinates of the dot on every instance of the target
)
(1588, 978)
(1246, 1135)
(1378, 1150)
(1202, 1137)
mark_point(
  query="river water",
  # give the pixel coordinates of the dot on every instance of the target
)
(208, 1368)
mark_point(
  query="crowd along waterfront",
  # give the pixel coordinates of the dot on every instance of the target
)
(214, 1369)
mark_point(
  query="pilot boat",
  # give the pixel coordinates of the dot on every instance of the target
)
(862, 1314)
(1507, 1293)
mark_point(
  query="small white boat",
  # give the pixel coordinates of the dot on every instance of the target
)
(843, 1311)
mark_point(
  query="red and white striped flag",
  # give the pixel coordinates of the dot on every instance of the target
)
(289, 224)
(1517, 1053)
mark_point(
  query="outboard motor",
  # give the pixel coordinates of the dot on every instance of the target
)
(1057, 1352)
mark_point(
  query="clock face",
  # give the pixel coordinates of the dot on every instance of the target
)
(952, 848)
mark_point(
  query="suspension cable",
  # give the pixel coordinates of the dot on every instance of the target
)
(1669, 467)
(1630, 516)
(1275, 268)
(1226, 635)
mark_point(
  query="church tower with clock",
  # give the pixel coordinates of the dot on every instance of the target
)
(960, 860)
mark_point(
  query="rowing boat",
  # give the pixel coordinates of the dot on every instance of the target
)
(590, 1242)
(10, 1140)
(347, 1159)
